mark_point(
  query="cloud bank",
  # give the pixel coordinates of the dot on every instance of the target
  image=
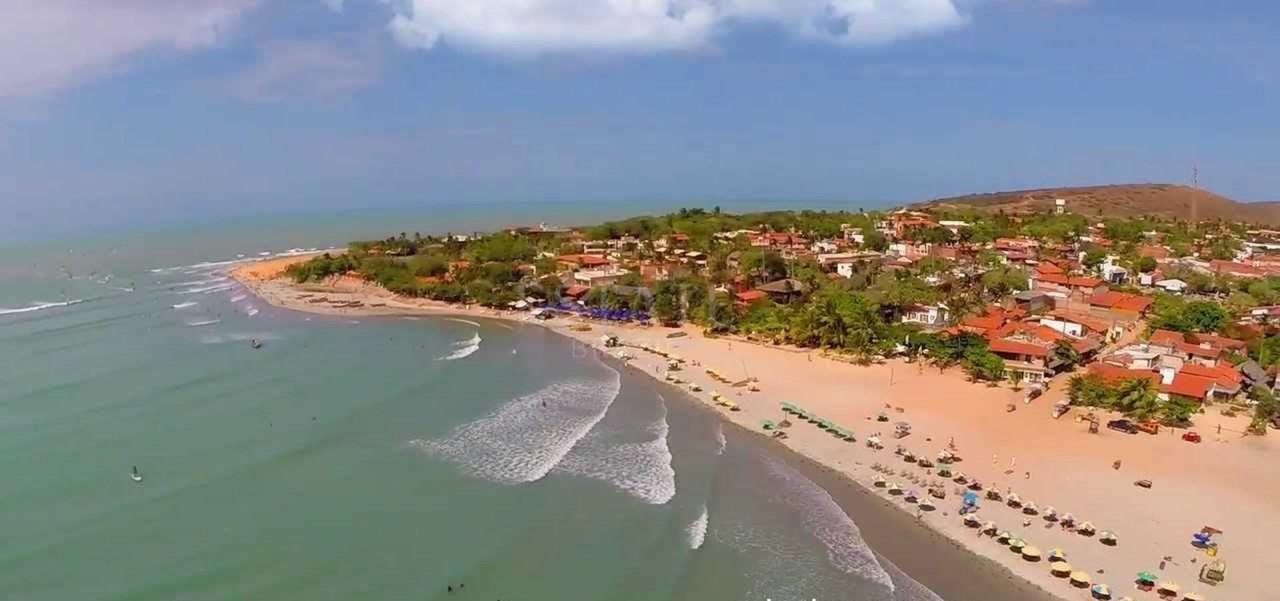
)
(46, 45)
(535, 27)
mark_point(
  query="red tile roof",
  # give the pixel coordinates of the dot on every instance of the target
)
(1225, 375)
(1113, 374)
(1199, 351)
(576, 290)
(1187, 385)
(1095, 324)
(992, 319)
(1217, 341)
(751, 296)
(1002, 345)
(1121, 301)
(1048, 267)
(1062, 279)
(584, 260)
(1167, 338)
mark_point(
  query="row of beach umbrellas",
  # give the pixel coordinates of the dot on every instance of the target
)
(825, 424)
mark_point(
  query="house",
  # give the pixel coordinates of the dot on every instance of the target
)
(1050, 282)
(595, 278)
(1221, 383)
(582, 261)
(1115, 374)
(1173, 286)
(748, 297)
(576, 292)
(930, 316)
(1033, 301)
(1122, 302)
(1235, 269)
(992, 319)
(1263, 315)
(1079, 324)
(1112, 273)
(783, 291)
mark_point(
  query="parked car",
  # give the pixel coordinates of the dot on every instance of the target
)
(1149, 427)
(1123, 425)
(1142, 483)
(1191, 437)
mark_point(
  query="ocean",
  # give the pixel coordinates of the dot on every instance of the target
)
(377, 458)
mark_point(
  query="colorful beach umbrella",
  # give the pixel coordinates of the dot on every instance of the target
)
(1101, 591)
(1057, 555)
(1017, 544)
(1147, 577)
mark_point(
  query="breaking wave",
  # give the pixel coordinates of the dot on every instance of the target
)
(207, 322)
(40, 306)
(828, 523)
(642, 469)
(460, 320)
(185, 305)
(464, 348)
(526, 438)
(239, 297)
(697, 530)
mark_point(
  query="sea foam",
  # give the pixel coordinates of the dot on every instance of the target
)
(528, 436)
(696, 531)
(642, 469)
(827, 522)
(464, 348)
(40, 306)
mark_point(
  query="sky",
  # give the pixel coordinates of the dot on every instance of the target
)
(134, 112)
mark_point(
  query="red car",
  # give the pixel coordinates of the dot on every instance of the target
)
(1191, 437)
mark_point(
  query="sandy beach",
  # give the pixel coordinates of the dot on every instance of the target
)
(1228, 482)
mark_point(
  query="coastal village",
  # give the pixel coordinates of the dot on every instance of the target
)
(1161, 332)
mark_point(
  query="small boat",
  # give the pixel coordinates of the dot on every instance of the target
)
(255, 344)
(134, 475)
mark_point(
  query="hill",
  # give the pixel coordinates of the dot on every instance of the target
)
(1129, 200)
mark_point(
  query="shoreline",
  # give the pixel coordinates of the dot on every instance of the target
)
(851, 463)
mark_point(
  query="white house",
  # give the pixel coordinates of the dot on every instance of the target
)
(934, 316)
(1172, 285)
(607, 276)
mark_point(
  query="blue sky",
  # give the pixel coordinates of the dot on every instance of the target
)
(143, 111)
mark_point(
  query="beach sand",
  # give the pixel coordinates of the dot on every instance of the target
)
(1228, 481)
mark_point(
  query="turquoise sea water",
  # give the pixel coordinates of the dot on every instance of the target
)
(376, 458)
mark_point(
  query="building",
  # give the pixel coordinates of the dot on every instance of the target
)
(582, 261)
(930, 316)
(595, 278)
(1060, 206)
(1033, 301)
(783, 291)
(1122, 302)
(1173, 286)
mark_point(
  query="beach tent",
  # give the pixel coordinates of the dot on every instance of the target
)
(1080, 579)
(1101, 591)
(1061, 569)
(1031, 554)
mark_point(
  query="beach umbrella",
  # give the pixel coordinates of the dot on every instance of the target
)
(1193, 597)
(1061, 569)
(894, 489)
(1080, 579)
(1003, 536)
(1168, 588)
(1101, 591)
(1057, 555)
(1030, 508)
(1014, 499)
(971, 521)
(1146, 578)
(1086, 529)
(1125, 598)
(879, 482)
(927, 505)
(1107, 538)
(1031, 554)
(1067, 518)
(1016, 544)
(989, 527)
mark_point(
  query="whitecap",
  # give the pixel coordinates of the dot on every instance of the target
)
(239, 297)
(696, 531)
(907, 588)
(826, 521)
(185, 305)
(207, 289)
(207, 322)
(251, 311)
(527, 437)
(721, 442)
(642, 469)
(466, 321)
(40, 306)
(464, 348)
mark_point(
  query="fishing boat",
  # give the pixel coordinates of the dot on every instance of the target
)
(255, 344)
(134, 475)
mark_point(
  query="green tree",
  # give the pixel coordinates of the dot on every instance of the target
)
(1265, 409)
(1177, 411)
(1145, 264)
(983, 364)
(1094, 257)
(1137, 398)
(1066, 355)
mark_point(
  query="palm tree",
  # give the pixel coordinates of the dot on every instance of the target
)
(1066, 355)
(1138, 398)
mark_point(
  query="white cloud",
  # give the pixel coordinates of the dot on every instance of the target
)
(291, 69)
(531, 27)
(47, 45)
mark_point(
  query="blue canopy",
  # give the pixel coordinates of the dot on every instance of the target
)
(971, 498)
